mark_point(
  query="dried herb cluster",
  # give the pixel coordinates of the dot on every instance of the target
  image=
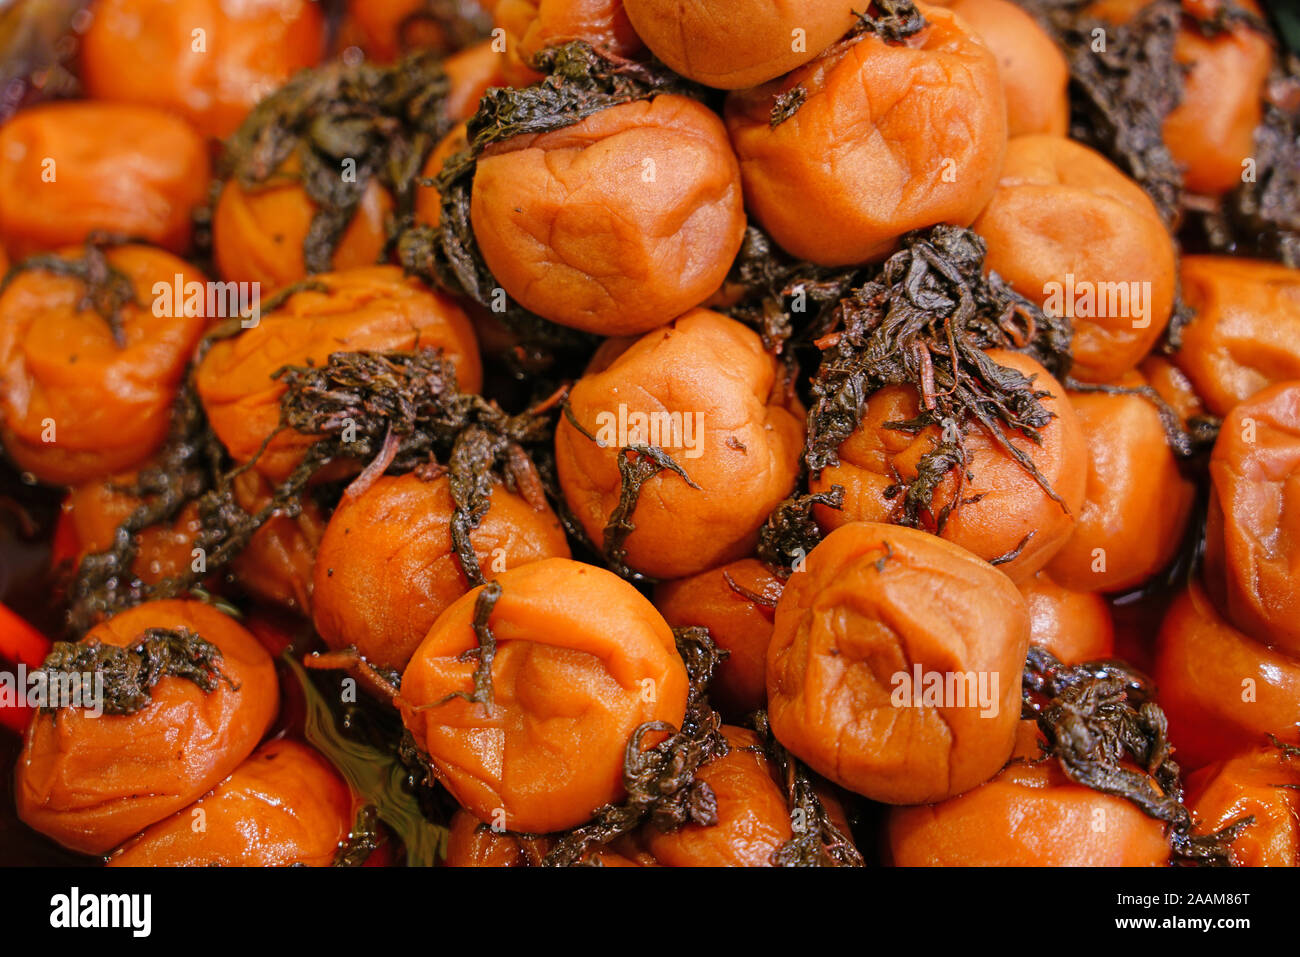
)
(398, 411)
(374, 123)
(791, 533)
(1108, 735)
(925, 319)
(1124, 82)
(131, 672)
